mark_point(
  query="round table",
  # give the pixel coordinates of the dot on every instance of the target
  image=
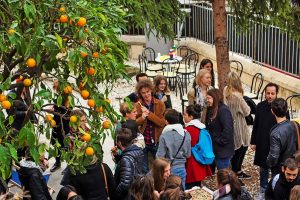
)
(164, 57)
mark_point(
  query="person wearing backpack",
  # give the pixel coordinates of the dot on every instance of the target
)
(196, 172)
(175, 144)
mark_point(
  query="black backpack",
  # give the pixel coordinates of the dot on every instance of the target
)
(249, 119)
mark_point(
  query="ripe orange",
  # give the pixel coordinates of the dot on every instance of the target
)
(104, 51)
(81, 22)
(107, 100)
(73, 119)
(99, 109)
(83, 54)
(91, 103)
(89, 151)
(53, 123)
(106, 124)
(91, 71)
(62, 9)
(85, 94)
(27, 82)
(64, 18)
(49, 117)
(6, 104)
(11, 31)
(68, 90)
(86, 137)
(95, 54)
(31, 62)
(2, 97)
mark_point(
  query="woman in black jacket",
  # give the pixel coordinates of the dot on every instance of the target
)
(220, 125)
(91, 185)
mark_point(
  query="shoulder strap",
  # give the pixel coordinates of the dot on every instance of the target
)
(179, 147)
(105, 180)
(297, 131)
(275, 179)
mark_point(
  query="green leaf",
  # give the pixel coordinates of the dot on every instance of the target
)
(13, 151)
(12, 95)
(35, 154)
(41, 149)
(59, 101)
(11, 120)
(59, 40)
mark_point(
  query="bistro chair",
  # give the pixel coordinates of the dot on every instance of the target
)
(184, 52)
(256, 85)
(170, 71)
(149, 54)
(144, 67)
(237, 66)
(293, 113)
(188, 70)
(182, 93)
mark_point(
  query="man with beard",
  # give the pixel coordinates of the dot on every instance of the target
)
(280, 186)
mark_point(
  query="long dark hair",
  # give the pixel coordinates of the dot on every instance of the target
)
(212, 73)
(158, 168)
(217, 100)
(227, 176)
(142, 188)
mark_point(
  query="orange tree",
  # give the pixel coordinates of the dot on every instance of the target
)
(74, 41)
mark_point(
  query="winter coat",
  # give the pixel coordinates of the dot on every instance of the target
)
(239, 110)
(157, 117)
(195, 171)
(33, 180)
(131, 164)
(91, 185)
(283, 144)
(62, 125)
(169, 144)
(221, 131)
(282, 188)
(263, 122)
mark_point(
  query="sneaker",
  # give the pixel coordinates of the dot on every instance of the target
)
(243, 175)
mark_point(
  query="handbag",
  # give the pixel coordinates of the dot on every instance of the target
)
(105, 181)
(297, 153)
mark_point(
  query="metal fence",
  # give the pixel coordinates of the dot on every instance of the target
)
(264, 44)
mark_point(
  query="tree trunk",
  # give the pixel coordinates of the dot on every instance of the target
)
(221, 42)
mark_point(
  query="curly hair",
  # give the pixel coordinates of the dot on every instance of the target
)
(144, 84)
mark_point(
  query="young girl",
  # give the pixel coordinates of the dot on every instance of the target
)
(161, 90)
(233, 98)
(196, 172)
(161, 170)
(208, 65)
(142, 188)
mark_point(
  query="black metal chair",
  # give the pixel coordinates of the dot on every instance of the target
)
(188, 70)
(256, 85)
(289, 100)
(170, 70)
(238, 66)
(149, 54)
(184, 51)
(144, 67)
(182, 93)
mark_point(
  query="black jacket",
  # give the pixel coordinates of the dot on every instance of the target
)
(221, 131)
(263, 122)
(168, 103)
(62, 124)
(283, 144)
(282, 188)
(91, 185)
(33, 180)
(131, 164)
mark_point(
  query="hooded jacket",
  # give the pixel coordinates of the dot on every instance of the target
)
(131, 164)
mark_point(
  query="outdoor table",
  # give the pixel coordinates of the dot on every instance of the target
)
(164, 57)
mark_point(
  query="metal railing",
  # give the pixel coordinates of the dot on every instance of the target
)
(264, 44)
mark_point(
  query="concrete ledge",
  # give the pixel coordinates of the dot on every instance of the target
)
(134, 39)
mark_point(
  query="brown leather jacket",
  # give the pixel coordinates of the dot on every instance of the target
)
(157, 118)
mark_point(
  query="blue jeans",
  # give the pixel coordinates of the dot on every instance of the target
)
(152, 149)
(181, 172)
(222, 163)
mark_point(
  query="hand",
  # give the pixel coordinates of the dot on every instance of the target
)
(164, 99)
(114, 150)
(145, 114)
(253, 147)
(144, 108)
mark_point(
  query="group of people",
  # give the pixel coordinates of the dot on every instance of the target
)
(151, 126)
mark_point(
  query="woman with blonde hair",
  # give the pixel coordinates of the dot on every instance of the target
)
(162, 91)
(233, 98)
(295, 193)
(161, 170)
